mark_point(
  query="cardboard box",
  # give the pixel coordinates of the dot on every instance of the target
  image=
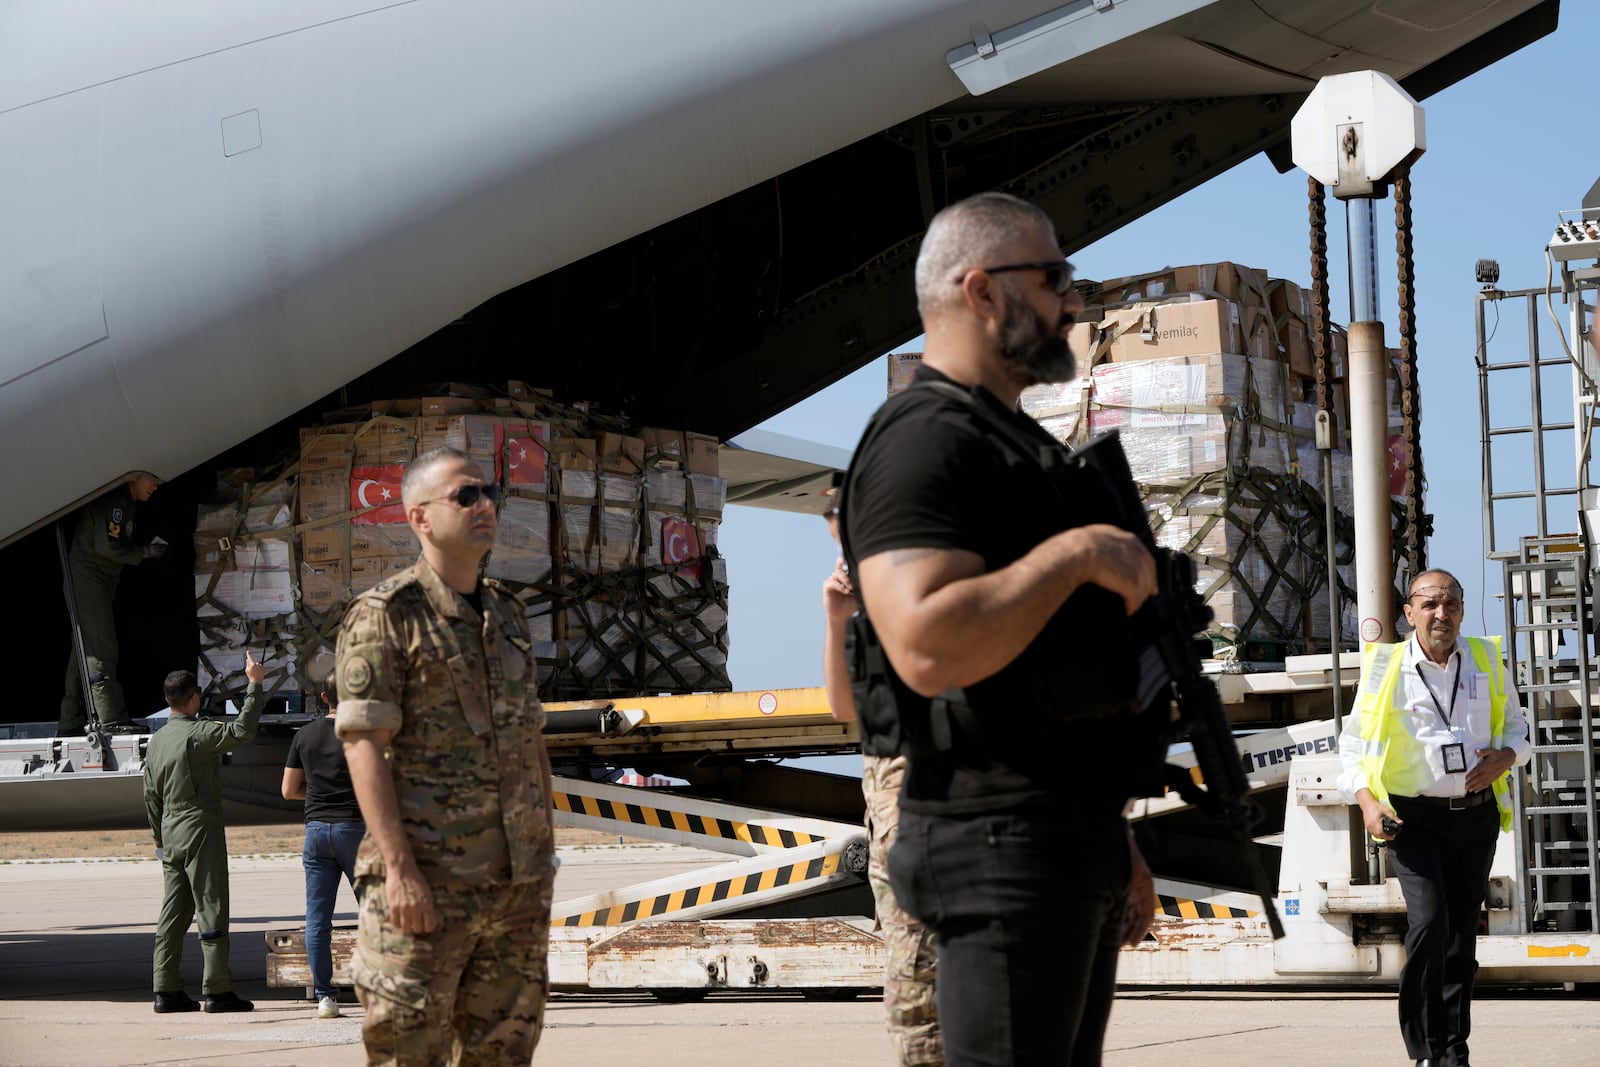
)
(327, 451)
(902, 366)
(1162, 331)
(573, 453)
(322, 584)
(324, 493)
(447, 405)
(620, 454)
(252, 594)
(1297, 346)
(386, 439)
(472, 434)
(370, 570)
(1286, 298)
(324, 543)
(1165, 392)
(701, 454)
(1229, 281)
(254, 554)
(1245, 286)
(224, 520)
(1090, 343)
(390, 540)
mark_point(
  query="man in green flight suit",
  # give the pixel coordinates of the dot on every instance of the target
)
(104, 540)
(183, 801)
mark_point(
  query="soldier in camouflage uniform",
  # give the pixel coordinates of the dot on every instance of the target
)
(908, 984)
(458, 866)
(104, 540)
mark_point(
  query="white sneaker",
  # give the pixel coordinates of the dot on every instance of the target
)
(327, 1008)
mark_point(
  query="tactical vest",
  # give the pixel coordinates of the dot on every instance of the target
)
(1385, 740)
(1091, 628)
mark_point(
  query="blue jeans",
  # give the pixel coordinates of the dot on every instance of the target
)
(330, 852)
(1027, 912)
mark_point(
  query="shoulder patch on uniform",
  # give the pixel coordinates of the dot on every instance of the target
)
(116, 514)
(357, 676)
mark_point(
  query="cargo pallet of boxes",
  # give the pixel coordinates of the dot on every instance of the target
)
(1207, 374)
(608, 535)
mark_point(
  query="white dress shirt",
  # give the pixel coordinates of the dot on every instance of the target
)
(1429, 712)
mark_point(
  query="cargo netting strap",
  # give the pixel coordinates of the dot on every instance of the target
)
(1245, 502)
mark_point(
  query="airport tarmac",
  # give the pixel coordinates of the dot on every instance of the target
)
(75, 942)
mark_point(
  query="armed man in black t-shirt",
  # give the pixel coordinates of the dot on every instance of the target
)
(1001, 604)
(317, 773)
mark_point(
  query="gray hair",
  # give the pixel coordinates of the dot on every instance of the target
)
(1433, 572)
(417, 471)
(970, 234)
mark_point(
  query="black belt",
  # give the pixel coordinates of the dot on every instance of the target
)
(1471, 800)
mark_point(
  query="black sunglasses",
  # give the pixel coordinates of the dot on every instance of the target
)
(1057, 273)
(467, 496)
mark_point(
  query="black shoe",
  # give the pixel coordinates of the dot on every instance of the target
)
(229, 1001)
(179, 1001)
(125, 728)
(1430, 1062)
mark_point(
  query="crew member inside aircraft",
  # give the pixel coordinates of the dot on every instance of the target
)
(105, 539)
(183, 802)
(965, 556)
(317, 773)
(909, 979)
(457, 870)
(1427, 753)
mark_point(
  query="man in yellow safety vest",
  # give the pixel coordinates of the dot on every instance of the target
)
(1427, 753)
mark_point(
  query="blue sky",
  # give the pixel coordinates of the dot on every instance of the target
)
(1507, 149)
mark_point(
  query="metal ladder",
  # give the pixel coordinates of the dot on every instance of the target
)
(1547, 614)
(1547, 598)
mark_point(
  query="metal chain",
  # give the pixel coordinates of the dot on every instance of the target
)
(1321, 335)
(1416, 548)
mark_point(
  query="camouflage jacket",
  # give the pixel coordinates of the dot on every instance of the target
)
(457, 690)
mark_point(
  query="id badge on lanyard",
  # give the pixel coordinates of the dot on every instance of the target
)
(1455, 755)
(1455, 758)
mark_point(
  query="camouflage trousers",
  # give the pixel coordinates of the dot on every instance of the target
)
(471, 992)
(908, 985)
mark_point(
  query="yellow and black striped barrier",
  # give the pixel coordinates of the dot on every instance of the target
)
(626, 815)
(733, 889)
(1182, 908)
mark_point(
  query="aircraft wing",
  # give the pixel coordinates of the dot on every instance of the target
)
(776, 471)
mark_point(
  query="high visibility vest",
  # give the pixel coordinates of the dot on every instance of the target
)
(1385, 742)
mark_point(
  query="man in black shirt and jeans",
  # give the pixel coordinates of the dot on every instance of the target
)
(1012, 842)
(317, 773)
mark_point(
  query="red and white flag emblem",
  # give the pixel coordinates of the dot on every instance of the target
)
(375, 495)
(680, 543)
(519, 454)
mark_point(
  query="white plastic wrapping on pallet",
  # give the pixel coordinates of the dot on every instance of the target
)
(609, 544)
(522, 545)
(247, 593)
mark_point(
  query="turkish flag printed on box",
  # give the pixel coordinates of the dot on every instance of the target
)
(375, 494)
(680, 543)
(519, 453)
(1397, 465)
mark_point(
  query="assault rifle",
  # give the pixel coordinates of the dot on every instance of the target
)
(1172, 618)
